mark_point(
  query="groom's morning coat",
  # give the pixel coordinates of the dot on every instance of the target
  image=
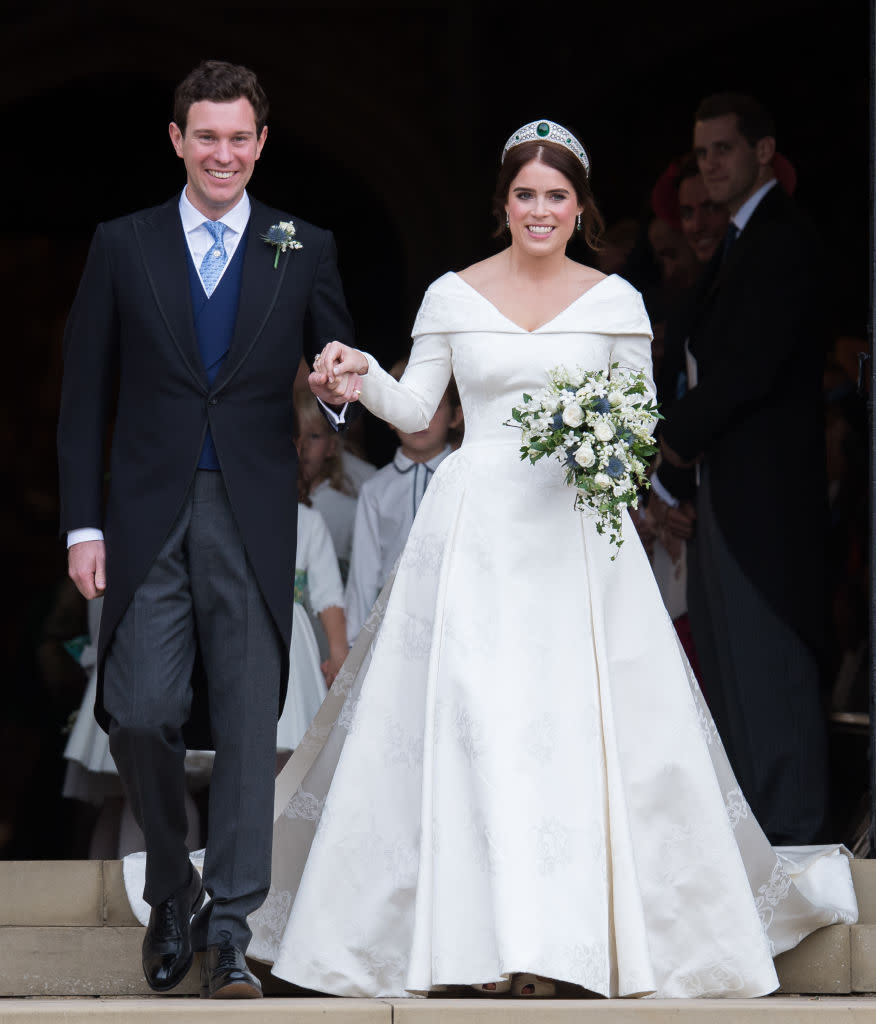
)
(757, 332)
(132, 323)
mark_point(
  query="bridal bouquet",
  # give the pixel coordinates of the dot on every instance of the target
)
(599, 426)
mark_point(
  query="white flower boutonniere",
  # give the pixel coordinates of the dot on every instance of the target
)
(282, 237)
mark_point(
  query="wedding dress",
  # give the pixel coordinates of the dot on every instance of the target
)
(515, 770)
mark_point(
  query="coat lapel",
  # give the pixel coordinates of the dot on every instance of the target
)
(720, 275)
(259, 289)
(747, 239)
(163, 248)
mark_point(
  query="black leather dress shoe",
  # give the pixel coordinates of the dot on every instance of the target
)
(167, 946)
(224, 974)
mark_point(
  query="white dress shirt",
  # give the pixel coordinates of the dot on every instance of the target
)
(743, 214)
(199, 239)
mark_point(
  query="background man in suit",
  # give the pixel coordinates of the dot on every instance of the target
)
(202, 324)
(751, 419)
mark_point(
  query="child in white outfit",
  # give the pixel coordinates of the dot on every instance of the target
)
(322, 480)
(319, 595)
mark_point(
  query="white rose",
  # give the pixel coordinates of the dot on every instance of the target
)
(585, 457)
(603, 430)
(602, 480)
(573, 415)
(615, 398)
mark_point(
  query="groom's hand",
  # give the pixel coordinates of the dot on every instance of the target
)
(337, 370)
(86, 566)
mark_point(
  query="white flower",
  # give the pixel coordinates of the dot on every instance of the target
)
(585, 457)
(282, 237)
(589, 446)
(603, 430)
(573, 415)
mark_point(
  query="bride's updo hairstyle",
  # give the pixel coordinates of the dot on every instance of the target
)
(560, 159)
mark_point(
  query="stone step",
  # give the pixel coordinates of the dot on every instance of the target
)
(173, 1010)
(66, 929)
(77, 961)
(92, 892)
(772, 1010)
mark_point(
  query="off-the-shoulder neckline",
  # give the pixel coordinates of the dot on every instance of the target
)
(547, 323)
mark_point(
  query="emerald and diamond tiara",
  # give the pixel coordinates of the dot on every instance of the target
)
(548, 131)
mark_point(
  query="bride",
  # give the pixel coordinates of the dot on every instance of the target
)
(514, 780)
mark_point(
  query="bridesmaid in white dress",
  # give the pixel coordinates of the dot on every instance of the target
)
(514, 776)
(319, 595)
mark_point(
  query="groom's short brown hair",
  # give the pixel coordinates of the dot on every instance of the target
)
(219, 82)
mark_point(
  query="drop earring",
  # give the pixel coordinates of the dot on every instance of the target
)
(578, 223)
(507, 222)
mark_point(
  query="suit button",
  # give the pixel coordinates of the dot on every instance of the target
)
(213, 401)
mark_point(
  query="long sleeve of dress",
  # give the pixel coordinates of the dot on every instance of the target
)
(410, 403)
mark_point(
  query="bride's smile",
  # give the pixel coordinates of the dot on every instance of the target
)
(542, 207)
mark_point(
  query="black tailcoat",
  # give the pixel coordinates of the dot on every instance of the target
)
(758, 335)
(132, 322)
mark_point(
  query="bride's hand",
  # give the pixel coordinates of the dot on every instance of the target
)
(337, 372)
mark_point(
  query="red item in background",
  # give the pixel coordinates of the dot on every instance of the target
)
(682, 628)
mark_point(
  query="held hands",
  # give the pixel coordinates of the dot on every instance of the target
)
(86, 566)
(337, 373)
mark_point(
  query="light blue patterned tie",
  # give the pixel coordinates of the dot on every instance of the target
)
(214, 262)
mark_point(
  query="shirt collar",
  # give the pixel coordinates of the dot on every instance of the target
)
(403, 463)
(236, 219)
(743, 214)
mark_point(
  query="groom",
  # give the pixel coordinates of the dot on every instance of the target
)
(194, 326)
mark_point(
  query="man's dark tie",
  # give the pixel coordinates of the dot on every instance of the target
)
(729, 239)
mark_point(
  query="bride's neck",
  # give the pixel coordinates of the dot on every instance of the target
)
(537, 269)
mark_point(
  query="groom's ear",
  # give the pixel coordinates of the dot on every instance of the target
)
(261, 141)
(176, 137)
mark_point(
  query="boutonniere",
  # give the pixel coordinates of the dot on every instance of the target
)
(282, 237)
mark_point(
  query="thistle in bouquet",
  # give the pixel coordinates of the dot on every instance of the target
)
(599, 426)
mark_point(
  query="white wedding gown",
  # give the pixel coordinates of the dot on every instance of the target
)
(515, 770)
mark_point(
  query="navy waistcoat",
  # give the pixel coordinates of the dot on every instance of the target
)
(215, 318)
